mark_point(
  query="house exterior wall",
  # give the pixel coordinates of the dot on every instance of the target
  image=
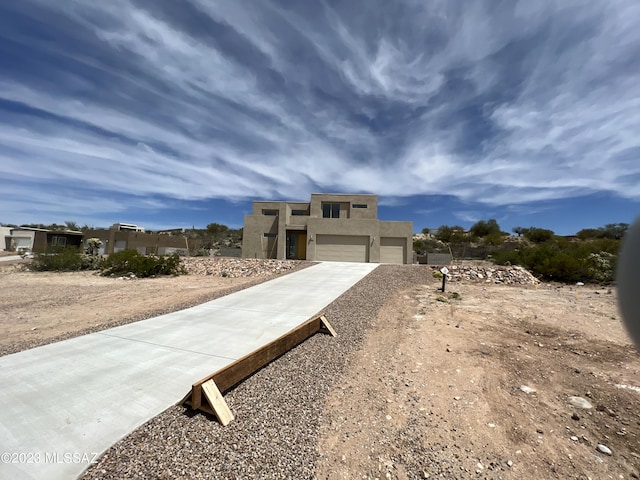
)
(5, 238)
(21, 239)
(266, 229)
(148, 243)
(38, 239)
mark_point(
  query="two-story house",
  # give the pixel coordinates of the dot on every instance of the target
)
(332, 227)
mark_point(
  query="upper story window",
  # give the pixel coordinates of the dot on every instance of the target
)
(299, 213)
(359, 205)
(270, 213)
(330, 210)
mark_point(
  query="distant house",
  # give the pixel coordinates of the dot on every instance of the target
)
(34, 239)
(128, 236)
(331, 227)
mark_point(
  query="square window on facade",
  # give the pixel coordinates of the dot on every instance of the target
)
(330, 210)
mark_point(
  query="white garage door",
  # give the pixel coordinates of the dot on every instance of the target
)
(392, 250)
(22, 242)
(342, 248)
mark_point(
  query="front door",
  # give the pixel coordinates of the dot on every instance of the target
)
(297, 245)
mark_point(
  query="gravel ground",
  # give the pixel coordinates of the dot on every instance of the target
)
(278, 410)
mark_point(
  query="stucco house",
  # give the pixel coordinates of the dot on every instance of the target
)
(331, 227)
(128, 236)
(30, 239)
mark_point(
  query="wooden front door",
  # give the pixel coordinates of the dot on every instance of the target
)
(297, 245)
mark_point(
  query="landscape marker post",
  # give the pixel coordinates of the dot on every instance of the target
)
(444, 271)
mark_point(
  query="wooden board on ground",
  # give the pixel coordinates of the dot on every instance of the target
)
(219, 406)
(229, 376)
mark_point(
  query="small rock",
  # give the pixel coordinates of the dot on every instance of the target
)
(604, 449)
(575, 416)
(509, 463)
(574, 438)
(527, 389)
(580, 402)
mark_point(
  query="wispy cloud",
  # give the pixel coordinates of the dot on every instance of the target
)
(496, 104)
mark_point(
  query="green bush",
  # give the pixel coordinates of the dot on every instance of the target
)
(494, 238)
(564, 261)
(60, 259)
(481, 229)
(538, 235)
(129, 262)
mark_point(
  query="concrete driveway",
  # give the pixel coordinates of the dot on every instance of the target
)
(63, 404)
(10, 258)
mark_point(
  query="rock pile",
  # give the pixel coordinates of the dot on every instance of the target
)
(237, 267)
(491, 274)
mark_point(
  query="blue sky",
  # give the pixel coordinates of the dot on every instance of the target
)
(180, 113)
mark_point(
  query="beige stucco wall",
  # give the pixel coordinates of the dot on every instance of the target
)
(346, 201)
(253, 241)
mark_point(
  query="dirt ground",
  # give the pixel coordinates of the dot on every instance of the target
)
(40, 307)
(480, 387)
(477, 386)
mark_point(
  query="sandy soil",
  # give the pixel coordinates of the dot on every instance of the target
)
(40, 307)
(479, 385)
(447, 381)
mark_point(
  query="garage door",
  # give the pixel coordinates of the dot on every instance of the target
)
(22, 242)
(392, 250)
(342, 248)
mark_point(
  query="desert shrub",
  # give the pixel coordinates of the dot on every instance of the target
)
(601, 266)
(481, 229)
(538, 235)
(132, 262)
(564, 261)
(494, 238)
(507, 257)
(613, 231)
(449, 234)
(60, 259)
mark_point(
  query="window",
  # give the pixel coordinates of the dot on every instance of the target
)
(270, 213)
(299, 213)
(359, 205)
(270, 235)
(330, 210)
(57, 241)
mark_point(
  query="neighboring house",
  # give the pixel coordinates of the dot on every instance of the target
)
(5, 243)
(333, 227)
(34, 239)
(126, 236)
